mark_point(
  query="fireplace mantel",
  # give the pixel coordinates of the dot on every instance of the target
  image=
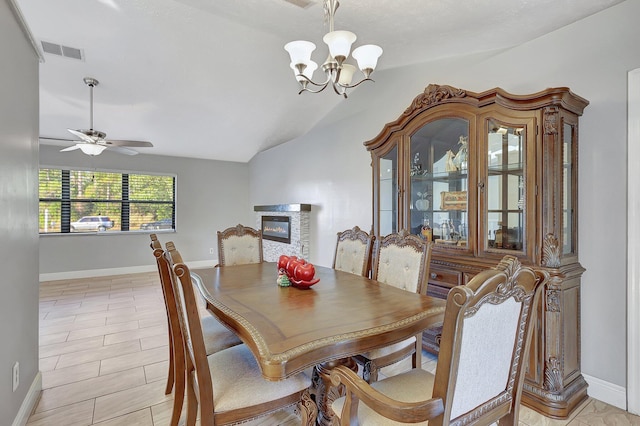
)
(283, 208)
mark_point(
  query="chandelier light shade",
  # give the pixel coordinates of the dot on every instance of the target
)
(300, 51)
(367, 57)
(338, 73)
(339, 43)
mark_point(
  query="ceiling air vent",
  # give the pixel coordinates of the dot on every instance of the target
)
(65, 51)
(301, 3)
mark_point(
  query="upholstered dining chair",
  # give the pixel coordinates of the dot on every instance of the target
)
(353, 251)
(228, 386)
(217, 337)
(239, 245)
(488, 325)
(401, 260)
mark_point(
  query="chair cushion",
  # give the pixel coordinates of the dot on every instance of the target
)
(399, 267)
(238, 382)
(387, 350)
(216, 336)
(412, 386)
(487, 340)
(240, 250)
(351, 255)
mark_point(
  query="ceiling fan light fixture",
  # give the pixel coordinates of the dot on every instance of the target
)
(93, 141)
(92, 149)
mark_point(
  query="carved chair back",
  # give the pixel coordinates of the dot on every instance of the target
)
(402, 260)
(239, 245)
(487, 327)
(353, 251)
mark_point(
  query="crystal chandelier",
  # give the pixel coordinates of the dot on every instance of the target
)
(338, 73)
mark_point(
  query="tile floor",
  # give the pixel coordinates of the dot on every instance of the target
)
(104, 359)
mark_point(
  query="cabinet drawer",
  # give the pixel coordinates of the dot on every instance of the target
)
(445, 277)
(438, 291)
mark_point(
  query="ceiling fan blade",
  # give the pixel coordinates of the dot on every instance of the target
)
(82, 136)
(134, 144)
(71, 148)
(121, 150)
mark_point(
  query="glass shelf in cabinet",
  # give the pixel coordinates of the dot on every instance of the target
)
(440, 176)
(511, 167)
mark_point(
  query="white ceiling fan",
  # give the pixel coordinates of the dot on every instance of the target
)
(93, 142)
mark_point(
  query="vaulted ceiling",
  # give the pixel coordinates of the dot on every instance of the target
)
(210, 78)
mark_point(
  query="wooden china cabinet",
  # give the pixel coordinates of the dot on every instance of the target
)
(485, 175)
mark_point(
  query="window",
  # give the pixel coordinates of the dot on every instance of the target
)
(103, 201)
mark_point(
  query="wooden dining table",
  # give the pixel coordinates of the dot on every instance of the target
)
(291, 329)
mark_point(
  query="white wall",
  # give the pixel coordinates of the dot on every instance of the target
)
(331, 169)
(18, 212)
(211, 196)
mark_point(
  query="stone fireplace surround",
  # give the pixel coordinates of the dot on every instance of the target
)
(300, 218)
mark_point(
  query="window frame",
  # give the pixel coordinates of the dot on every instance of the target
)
(124, 201)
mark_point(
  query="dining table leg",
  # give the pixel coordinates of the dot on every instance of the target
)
(325, 392)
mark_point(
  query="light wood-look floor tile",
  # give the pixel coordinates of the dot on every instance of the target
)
(136, 359)
(98, 353)
(114, 372)
(153, 341)
(89, 389)
(597, 413)
(64, 376)
(157, 371)
(129, 400)
(139, 418)
(71, 347)
(51, 338)
(102, 330)
(72, 325)
(138, 334)
(49, 363)
(78, 414)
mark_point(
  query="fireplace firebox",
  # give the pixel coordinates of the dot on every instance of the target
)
(277, 228)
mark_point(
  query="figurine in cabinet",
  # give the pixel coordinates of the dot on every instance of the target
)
(449, 165)
(460, 160)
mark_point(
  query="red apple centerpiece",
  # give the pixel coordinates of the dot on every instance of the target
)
(282, 262)
(304, 272)
(291, 265)
(299, 272)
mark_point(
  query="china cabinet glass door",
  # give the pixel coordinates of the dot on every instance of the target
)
(506, 197)
(388, 208)
(439, 181)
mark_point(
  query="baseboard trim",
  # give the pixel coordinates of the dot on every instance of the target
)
(606, 392)
(29, 402)
(70, 275)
